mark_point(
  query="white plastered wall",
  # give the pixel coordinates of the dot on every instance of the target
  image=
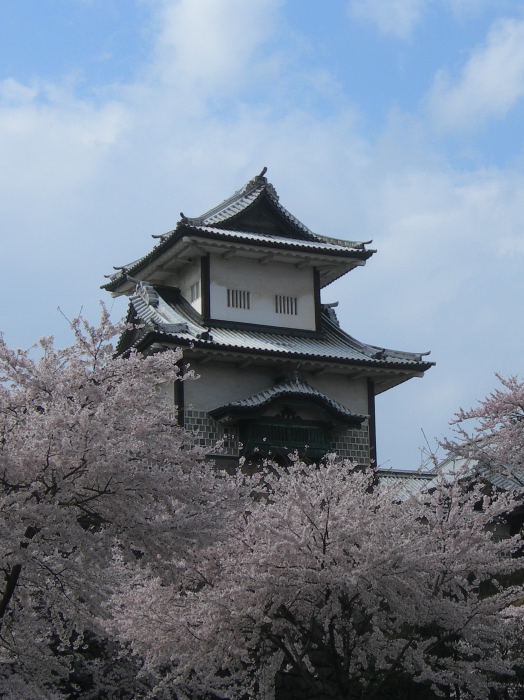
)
(221, 383)
(188, 276)
(351, 393)
(263, 282)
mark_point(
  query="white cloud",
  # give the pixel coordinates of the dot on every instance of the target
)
(52, 140)
(490, 84)
(208, 45)
(12, 92)
(85, 183)
(393, 17)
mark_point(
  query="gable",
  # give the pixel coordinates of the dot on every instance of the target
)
(264, 218)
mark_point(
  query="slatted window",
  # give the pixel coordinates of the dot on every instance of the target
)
(195, 291)
(238, 299)
(286, 305)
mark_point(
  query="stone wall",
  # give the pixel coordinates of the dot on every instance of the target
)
(347, 443)
(208, 432)
(351, 443)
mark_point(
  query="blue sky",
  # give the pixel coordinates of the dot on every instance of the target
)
(393, 120)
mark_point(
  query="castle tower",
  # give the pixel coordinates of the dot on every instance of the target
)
(238, 290)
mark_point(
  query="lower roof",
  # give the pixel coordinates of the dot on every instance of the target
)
(167, 318)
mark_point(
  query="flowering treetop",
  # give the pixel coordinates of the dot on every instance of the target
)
(331, 584)
(492, 434)
(92, 466)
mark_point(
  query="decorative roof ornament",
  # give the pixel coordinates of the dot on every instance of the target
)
(259, 182)
(145, 291)
(331, 313)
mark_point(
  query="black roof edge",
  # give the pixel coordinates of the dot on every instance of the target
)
(183, 229)
(211, 323)
(160, 336)
(254, 411)
(359, 253)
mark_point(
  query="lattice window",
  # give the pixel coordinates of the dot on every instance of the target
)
(286, 305)
(238, 299)
(282, 437)
(195, 291)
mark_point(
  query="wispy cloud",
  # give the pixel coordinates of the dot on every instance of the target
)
(393, 17)
(209, 45)
(490, 83)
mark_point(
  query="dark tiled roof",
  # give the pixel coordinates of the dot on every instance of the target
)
(507, 480)
(173, 320)
(220, 224)
(407, 483)
(410, 482)
(293, 386)
(315, 245)
(244, 198)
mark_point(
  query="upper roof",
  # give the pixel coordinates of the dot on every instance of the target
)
(166, 317)
(229, 210)
(252, 216)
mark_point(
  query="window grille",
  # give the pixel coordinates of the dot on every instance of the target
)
(195, 291)
(286, 305)
(260, 438)
(238, 299)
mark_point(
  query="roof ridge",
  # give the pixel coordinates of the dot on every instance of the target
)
(259, 182)
(250, 192)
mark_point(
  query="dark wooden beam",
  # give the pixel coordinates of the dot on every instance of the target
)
(372, 422)
(266, 258)
(205, 282)
(179, 395)
(316, 293)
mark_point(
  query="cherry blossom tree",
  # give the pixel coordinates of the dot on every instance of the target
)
(324, 583)
(93, 467)
(491, 435)
(333, 586)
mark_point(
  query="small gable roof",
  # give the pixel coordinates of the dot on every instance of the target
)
(291, 388)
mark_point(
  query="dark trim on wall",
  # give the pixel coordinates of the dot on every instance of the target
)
(316, 294)
(205, 280)
(372, 422)
(179, 395)
(260, 328)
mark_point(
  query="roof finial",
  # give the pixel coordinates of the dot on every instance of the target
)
(264, 171)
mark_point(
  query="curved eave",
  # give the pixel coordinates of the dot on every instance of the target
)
(302, 245)
(143, 262)
(232, 412)
(311, 247)
(158, 336)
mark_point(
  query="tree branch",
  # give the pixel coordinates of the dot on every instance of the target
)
(11, 581)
